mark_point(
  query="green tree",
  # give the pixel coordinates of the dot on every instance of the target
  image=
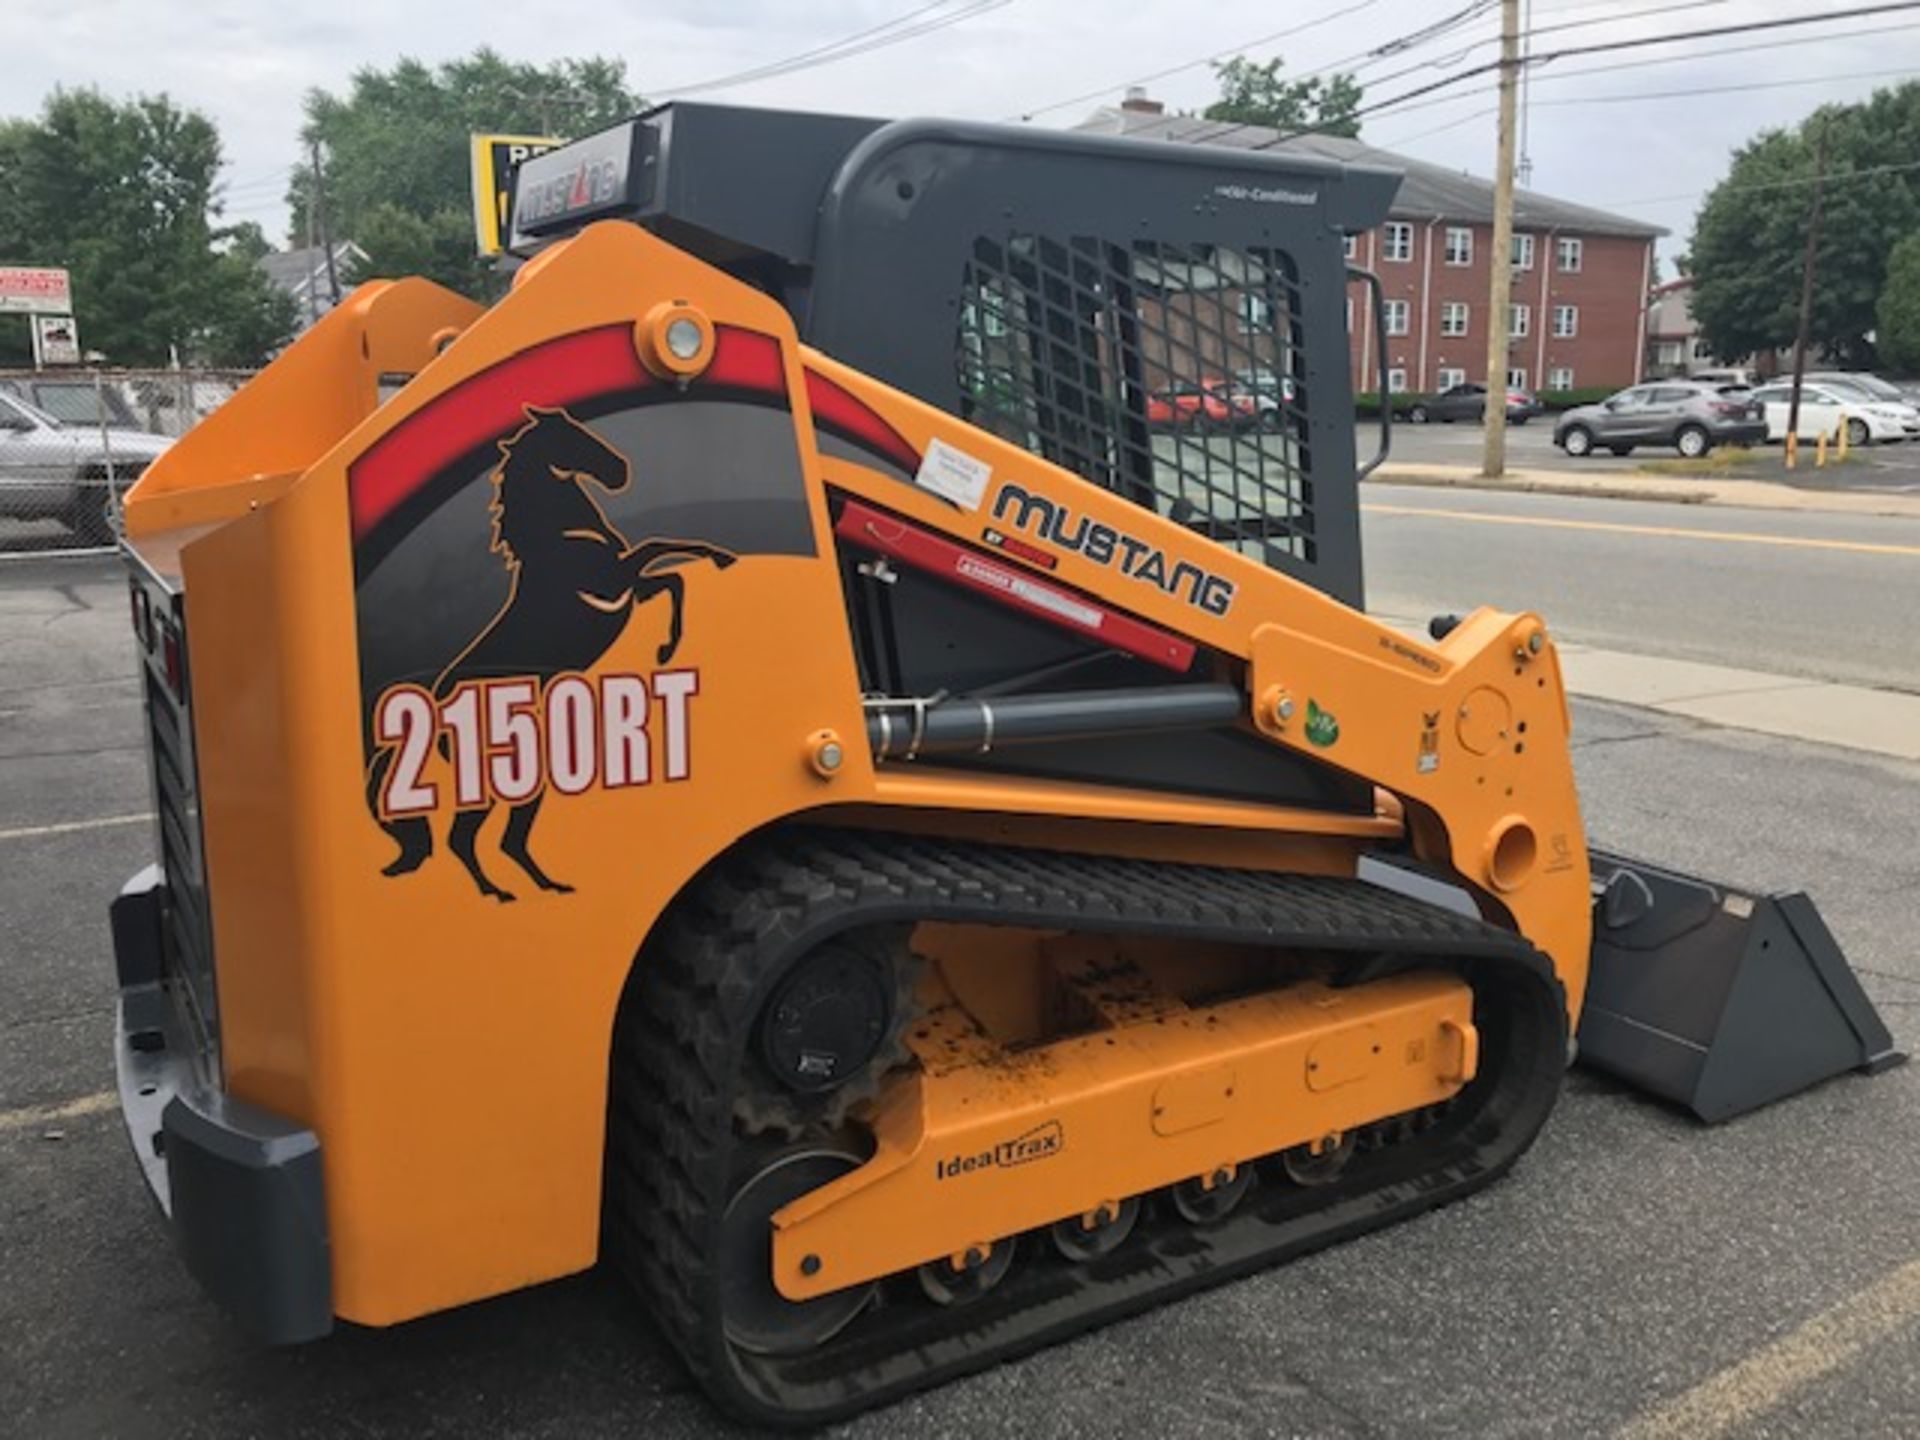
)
(395, 151)
(1898, 312)
(121, 194)
(1256, 94)
(1750, 235)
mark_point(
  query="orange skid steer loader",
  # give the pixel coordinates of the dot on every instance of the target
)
(929, 860)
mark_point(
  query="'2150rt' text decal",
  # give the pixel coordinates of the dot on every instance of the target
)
(508, 740)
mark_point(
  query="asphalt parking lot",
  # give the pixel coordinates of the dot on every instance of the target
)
(1637, 1271)
(1893, 467)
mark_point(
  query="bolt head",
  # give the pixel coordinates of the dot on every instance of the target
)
(1285, 708)
(809, 1265)
(1534, 642)
(831, 756)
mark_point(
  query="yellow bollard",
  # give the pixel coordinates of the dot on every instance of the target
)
(1820, 451)
(1793, 449)
(1841, 439)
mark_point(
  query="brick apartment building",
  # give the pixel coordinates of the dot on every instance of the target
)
(1580, 276)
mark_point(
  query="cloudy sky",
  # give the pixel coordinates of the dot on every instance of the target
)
(1645, 135)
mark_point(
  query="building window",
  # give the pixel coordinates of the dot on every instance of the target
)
(1450, 377)
(1398, 313)
(1459, 245)
(1560, 377)
(1256, 315)
(1396, 381)
(1398, 241)
(1350, 246)
(1519, 321)
(1566, 321)
(1702, 350)
(1567, 254)
(1523, 252)
(1453, 318)
(1517, 379)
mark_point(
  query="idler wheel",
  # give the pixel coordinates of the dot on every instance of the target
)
(960, 1278)
(1098, 1232)
(758, 1318)
(1207, 1198)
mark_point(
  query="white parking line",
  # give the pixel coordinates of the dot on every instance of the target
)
(68, 827)
(28, 1116)
(1767, 1377)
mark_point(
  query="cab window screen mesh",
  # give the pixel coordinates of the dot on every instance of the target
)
(1167, 373)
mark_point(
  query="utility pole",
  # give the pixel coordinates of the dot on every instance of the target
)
(1806, 296)
(1493, 461)
(320, 210)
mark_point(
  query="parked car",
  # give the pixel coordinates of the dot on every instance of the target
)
(66, 471)
(1211, 401)
(1469, 402)
(74, 400)
(1825, 406)
(1875, 387)
(1732, 375)
(1691, 417)
(1271, 394)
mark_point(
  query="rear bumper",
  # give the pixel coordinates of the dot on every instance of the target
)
(1746, 432)
(240, 1186)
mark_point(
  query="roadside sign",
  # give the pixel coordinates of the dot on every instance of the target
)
(496, 159)
(35, 290)
(56, 340)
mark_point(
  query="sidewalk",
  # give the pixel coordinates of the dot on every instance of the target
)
(1854, 717)
(1627, 485)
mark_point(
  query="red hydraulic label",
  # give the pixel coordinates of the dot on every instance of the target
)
(937, 555)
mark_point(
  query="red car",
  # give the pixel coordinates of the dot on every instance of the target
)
(1212, 401)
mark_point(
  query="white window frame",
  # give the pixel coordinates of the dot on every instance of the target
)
(1459, 245)
(1569, 252)
(1404, 310)
(1519, 321)
(1517, 378)
(1455, 318)
(1396, 380)
(1560, 377)
(1566, 322)
(1396, 241)
(1255, 313)
(1451, 376)
(1522, 253)
(1349, 314)
(1350, 247)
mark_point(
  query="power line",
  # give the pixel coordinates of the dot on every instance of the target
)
(1604, 47)
(1254, 44)
(1362, 60)
(1864, 173)
(1645, 61)
(861, 42)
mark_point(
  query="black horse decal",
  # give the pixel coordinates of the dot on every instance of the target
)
(573, 581)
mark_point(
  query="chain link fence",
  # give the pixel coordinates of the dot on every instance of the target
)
(73, 441)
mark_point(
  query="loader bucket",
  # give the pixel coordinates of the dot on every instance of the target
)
(1718, 999)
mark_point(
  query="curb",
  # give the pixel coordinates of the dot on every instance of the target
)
(1728, 493)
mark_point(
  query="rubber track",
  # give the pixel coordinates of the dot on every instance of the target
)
(683, 1032)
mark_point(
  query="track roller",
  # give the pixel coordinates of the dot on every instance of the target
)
(961, 1278)
(758, 1318)
(1213, 1196)
(1319, 1162)
(1099, 1232)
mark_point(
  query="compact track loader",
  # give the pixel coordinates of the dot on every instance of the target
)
(782, 753)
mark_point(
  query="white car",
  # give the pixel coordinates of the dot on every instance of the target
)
(67, 472)
(1824, 408)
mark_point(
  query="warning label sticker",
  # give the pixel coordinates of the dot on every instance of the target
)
(953, 474)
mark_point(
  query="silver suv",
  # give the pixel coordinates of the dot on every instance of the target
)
(67, 472)
(1692, 418)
